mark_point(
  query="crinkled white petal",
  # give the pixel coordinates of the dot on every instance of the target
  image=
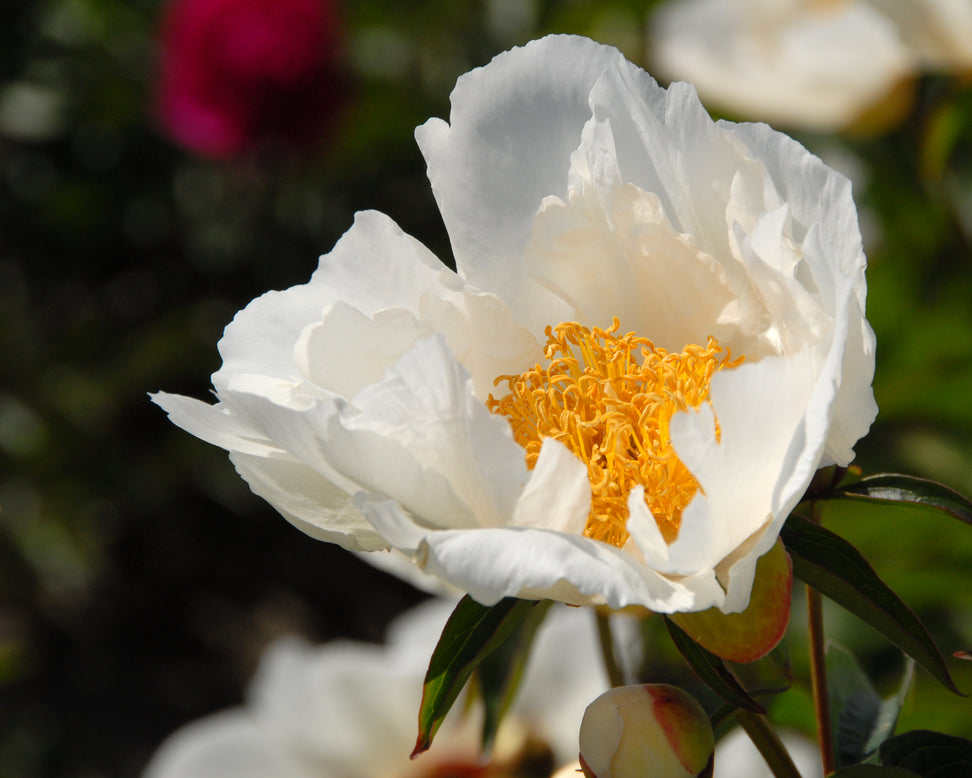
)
(813, 65)
(311, 503)
(644, 271)
(426, 405)
(525, 110)
(315, 505)
(530, 563)
(261, 338)
(822, 209)
(419, 434)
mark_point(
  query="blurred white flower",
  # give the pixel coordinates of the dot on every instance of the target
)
(737, 757)
(581, 199)
(939, 31)
(812, 64)
(349, 710)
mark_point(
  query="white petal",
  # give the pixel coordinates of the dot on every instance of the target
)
(324, 436)
(760, 408)
(398, 269)
(491, 564)
(426, 406)
(737, 571)
(558, 494)
(346, 350)
(482, 334)
(329, 702)
(313, 501)
(225, 745)
(609, 250)
(855, 408)
(667, 144)
(215, 424)
(375, 266)
(820, 199)
(401, 566)
(308, 500)
(513, 126)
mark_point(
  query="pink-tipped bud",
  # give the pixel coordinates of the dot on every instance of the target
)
(649, 730)
(753, 633)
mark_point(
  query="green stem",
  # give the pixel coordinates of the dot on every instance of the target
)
(765, 739)
(615, 674)
(818, 679)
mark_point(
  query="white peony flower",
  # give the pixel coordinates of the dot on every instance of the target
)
(814, 64)
(348, 710)
(372, 406)
(939, 31)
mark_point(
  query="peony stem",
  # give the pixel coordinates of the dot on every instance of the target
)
(765, 739)
(615, 674)
(818, 679)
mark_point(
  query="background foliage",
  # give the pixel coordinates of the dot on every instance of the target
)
(139, 578)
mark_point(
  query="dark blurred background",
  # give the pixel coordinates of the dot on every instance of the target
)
(139, 578)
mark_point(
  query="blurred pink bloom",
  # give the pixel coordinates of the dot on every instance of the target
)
(236, 75)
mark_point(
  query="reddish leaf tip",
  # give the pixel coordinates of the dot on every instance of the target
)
(421, 746)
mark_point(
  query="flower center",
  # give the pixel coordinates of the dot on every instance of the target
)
(609, 399)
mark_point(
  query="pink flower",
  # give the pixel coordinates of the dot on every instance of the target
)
(236, 75)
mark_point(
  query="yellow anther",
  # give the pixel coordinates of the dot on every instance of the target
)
(612, 411)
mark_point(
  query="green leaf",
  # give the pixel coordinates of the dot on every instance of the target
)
(770, 675)
(712, 670)
(836, 569)
(854, 705)
(887, 718)
(500, 673)
(472, 632)
(908, 489)
(931, 754)
(862, 720)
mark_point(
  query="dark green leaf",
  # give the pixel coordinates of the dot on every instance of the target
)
(836, 569)
(472, 632)
(929, 754)
(712, 670)
(854, 705)
(908, 489)
(862, 720)
(501, 672)
(890, 708)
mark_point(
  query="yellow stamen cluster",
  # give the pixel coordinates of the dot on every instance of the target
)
(609, 399)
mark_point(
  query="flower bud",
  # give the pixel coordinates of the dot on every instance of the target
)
(652, 729)
(754, 632)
